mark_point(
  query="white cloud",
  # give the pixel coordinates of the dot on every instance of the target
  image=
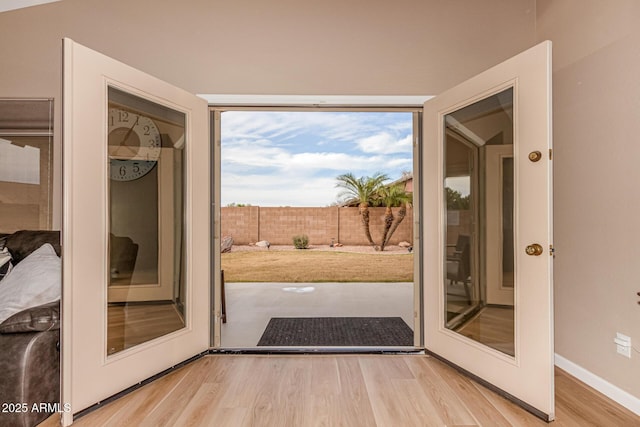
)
(252, 125)
(292, 158)
(403, 126)
(287, 125)
(385, 143)
(277, 157)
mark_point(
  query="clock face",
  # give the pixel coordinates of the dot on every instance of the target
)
(134, 145)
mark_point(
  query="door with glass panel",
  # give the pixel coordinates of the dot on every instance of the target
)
(488, 247)
(136, 226)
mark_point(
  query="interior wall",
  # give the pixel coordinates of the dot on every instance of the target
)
(332, 47)
(596, 102)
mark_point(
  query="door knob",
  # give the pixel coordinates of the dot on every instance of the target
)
(534, 249)
(534, 156)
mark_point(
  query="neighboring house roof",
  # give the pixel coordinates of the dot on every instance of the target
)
(407, 179)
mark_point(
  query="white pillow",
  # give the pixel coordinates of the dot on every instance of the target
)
(5, 262)
(36, 280)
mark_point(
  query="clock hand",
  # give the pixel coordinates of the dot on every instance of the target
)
(128, 134)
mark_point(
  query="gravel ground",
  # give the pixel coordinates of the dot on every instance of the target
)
(359, 249)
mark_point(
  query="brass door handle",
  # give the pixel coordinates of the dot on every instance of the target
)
(534, 156)
(534, 249)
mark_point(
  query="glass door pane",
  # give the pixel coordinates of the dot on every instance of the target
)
(479, 205)
(146, 143)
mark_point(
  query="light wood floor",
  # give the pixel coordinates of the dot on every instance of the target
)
(327, 390)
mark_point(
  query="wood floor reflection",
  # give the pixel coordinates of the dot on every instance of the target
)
(493, 327)
(133, 324)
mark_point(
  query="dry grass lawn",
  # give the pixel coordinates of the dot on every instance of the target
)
(309, 266)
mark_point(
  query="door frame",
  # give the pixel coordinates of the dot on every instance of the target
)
(496, 292)
(221, 103)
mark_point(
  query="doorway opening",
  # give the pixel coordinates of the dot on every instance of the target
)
(316, 227)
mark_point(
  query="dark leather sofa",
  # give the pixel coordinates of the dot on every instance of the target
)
(29, 347)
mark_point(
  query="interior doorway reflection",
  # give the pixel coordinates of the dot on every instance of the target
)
(146, 167)
(479, 189)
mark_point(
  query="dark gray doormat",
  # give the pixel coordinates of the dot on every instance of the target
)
(336, 331)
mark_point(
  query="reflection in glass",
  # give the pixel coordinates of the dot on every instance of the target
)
(479, 190)
(146, 228)
(26, 165)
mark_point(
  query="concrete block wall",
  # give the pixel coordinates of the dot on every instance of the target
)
(243, 224)
(278, 225)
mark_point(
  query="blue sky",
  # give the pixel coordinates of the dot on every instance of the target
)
(274, 158)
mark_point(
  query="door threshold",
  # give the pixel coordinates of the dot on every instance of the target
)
(319, 350)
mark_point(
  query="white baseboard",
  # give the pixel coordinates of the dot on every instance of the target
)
(614, 393)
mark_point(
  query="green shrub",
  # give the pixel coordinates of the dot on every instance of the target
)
(301, 242)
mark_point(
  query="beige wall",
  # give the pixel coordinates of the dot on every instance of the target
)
(596, 85)
(332, 47)
(278, 225)
(276, 46)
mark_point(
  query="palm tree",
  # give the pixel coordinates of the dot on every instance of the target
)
(362, 191)
(392, 196)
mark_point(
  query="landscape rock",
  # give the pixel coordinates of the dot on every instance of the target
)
(226, 244)
(263, 244)
(405, 244)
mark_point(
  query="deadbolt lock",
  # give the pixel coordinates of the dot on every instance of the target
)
(534, 250)
(534, 156)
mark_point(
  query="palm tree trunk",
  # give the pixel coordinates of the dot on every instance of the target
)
(364, 216)
(388, 221)
(401, 214)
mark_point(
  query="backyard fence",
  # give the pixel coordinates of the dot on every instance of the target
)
(251, 224)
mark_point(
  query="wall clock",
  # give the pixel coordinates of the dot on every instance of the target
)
(134, 145)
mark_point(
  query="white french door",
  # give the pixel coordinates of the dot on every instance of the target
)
(136, 224)
(487, 192)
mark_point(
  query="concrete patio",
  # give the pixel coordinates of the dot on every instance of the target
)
(251, 305)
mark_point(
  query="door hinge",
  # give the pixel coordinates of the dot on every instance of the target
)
(552, 251)
(550, 154)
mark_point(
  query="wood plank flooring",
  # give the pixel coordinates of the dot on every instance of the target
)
(338, 390)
